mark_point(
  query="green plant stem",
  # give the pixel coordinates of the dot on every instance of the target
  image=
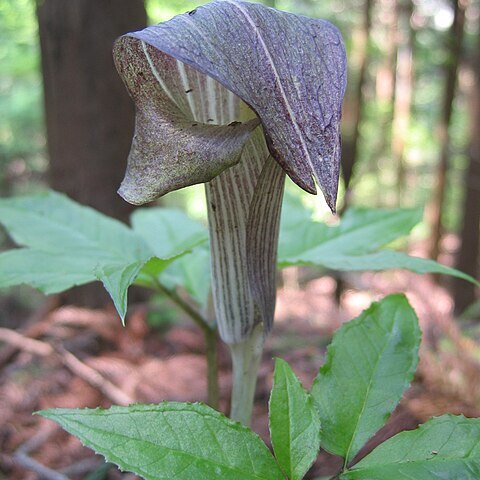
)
(210, 336)
(211, 343)
(246, 357)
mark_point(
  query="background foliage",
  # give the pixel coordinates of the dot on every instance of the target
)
(22, 138)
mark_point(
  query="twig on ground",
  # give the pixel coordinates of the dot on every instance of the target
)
(76, 366)
(44, 472)
(20, 342)
(87, 465)
(44, 433)
(37, 324)
(94, 378)
(22, 458)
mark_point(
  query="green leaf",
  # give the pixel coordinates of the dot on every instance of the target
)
(168, 231)
(370, 362)
(386, 260)
(353, 244)
(51, 222)
(116, 279)
(359, 232)
(191, 272)
(46, 271)
(294, 423)
(69, 244)
(171, 440)
(151, 270)
(446, 447)
(294, 213)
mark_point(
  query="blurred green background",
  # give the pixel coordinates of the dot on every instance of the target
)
(400, 54)
(23, 157)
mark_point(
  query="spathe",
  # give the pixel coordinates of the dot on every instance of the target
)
(290, 69)
(170, 149)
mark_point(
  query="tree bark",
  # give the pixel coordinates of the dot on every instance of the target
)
(455, 40)
(469, 254)
(356, 104)
(403, 93)
(89, 117)
(386, 78)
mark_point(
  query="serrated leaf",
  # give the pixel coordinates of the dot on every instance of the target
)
(370, 363)
(294, 423)
(69, 244)
(446, 447)
(171, 440)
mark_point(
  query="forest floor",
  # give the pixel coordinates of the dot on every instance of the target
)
(85, 358)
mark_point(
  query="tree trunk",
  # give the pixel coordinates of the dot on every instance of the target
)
(356, 105)
(89, 116)
(385, 82)
(455, 40)
(403, 93)
(386, 78)
(469, 255)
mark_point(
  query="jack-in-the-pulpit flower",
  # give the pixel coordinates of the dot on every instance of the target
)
(235, 95)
